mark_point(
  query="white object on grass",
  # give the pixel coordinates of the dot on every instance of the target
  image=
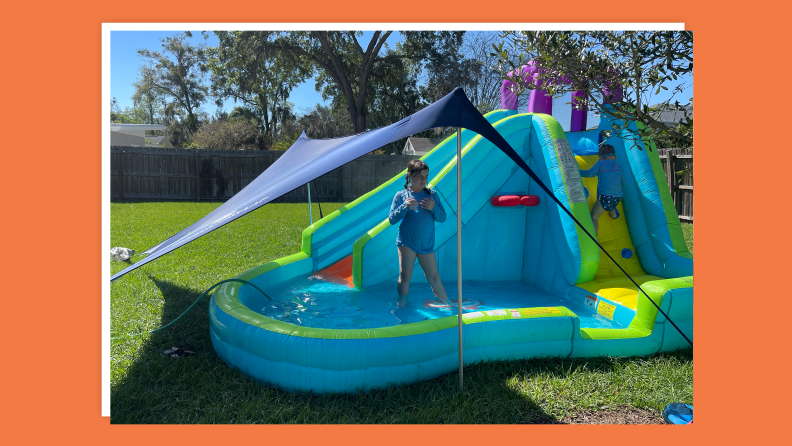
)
(121, 254)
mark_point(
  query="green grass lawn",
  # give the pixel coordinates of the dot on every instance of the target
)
(147, 387)
(687, 232)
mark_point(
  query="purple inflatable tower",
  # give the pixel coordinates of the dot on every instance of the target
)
(540, 101)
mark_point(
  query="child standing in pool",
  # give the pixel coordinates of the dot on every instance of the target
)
(609, 184)
(417, 207)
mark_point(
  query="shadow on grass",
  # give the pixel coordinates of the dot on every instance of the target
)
(203, 389)
(148, 391)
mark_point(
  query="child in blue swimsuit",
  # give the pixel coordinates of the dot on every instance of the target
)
(417, 208)
(609, 184)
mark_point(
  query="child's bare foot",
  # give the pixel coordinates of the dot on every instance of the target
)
(402, 302)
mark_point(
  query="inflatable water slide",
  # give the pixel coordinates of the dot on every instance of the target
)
(534, 284)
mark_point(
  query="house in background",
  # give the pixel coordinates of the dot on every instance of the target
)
(135, 135)
(670, 117)
(673, 115)
(420, 146)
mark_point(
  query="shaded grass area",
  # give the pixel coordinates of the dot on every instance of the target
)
(147, 387)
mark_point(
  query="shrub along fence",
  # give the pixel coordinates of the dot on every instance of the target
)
(142, 173)
(678, 167)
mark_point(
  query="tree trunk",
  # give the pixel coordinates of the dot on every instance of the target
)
(360, 122)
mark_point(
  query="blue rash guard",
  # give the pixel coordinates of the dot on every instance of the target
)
(610, 178)
(417, 230)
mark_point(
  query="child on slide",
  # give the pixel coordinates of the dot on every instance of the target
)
(609, 184)
(417, 207)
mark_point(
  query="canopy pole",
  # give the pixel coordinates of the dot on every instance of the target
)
(318, 201)
(459, 247)
(310, 212)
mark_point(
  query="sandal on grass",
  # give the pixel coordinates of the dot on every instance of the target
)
(678, 413)
(180, 352)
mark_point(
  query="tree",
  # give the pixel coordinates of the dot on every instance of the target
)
(392, 95)
(129, 115)
(244, 66)
(179, 78)
(344, 63)
(464, 61)
(235, 134)
(116, 114)
(246, 113)
(483, 85)
(147, 96)
(445, 68)
(599, 61)
(325, 122)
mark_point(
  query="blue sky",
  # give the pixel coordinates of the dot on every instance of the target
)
(125, 62)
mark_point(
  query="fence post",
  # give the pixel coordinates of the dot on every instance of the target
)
(197, 177)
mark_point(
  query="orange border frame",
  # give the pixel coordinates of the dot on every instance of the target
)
(52, 78)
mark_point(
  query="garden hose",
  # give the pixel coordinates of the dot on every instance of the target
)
(196, 301)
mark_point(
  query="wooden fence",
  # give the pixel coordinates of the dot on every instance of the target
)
(141, 173)
(680, 184)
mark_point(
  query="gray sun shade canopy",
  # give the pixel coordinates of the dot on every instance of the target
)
(308, 159)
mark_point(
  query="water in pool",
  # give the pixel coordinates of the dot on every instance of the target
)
(312, 302)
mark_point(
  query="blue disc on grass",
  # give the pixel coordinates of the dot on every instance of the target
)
(626, 253)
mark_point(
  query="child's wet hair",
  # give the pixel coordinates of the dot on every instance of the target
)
(415, 167)
(606, 150)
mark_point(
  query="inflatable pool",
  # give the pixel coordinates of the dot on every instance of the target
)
(534, 284)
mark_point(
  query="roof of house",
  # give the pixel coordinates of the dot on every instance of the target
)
(135, 135)
(134, 127)
(124, 139)
(674, 115)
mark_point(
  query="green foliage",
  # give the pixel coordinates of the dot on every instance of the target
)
(342, 62)
(469, 67)
(671, 141)
(374, 85)
(245, 67)
(286, 140)
(484, 84)
(325, 122)
(148, 141)
(353, 77)
(236, 134)
(175, 73)
(147, 97)
(445, 67)
(595, 61)
(243, 113)
(129, 115)
(379, 86)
